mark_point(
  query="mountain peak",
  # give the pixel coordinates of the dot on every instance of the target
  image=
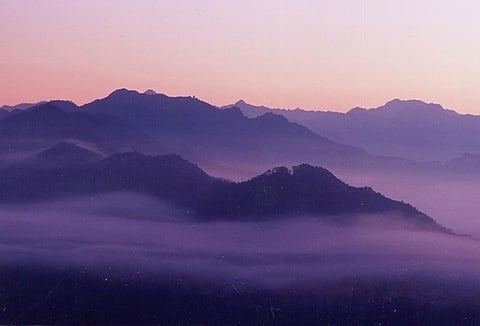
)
(357, 109)
(122, 92)
(150, 92)
(397, 104)
(397, 101)
(66, 154)
(65, 105)
(64, 148)
(394, 101)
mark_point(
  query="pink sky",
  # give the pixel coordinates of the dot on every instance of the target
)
(311, 54)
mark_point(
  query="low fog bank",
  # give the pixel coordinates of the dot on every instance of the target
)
(133, 233)
(452, 200)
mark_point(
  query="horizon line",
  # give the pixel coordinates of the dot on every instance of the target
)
(231, 104)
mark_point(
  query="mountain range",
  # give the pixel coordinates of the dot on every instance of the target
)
(409, 129)
(158, 124)
(304, 190)
(228, 143)
(138, 188)
(19, 107)
(38, 127)
(201, 132)
(241, 140)
(36, 142)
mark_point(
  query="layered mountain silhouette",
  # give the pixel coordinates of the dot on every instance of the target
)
(150, 92)
(303, 191)
(202, 132)
(44, 125)
(230, 143)
(410, 129)
(50, 121)
(21, 106)
(63, 104)
(64, 154)
(61, 155)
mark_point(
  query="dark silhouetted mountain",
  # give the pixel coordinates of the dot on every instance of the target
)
(224, 142)
(21, 106)
(410, 129)
(65, 154)
(46, 124)
(304, 191)
(202, 132)
(168, 177)
(253, 111)
(67, 106)
(150, 92)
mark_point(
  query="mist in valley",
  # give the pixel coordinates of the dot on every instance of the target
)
(131, 232)
(451, 199)
(128, 257)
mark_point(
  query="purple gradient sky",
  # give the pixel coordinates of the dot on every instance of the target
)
(312, 54)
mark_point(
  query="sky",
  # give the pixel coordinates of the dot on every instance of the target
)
(315, 54)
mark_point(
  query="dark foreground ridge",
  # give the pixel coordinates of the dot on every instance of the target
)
(304, 190)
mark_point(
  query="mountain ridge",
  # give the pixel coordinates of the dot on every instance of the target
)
(304, 190)
(410, 129)
(127, 120)
(46, 124)
(200, 131)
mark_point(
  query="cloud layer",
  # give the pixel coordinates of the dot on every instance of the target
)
(136, 234)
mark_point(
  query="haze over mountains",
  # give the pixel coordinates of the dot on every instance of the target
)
(226, 143)
(158, 124)
(201, 132)
(67, 170)
(21, 106)
(241, 141)
(41, 126)
(127, 204)
(410, 129)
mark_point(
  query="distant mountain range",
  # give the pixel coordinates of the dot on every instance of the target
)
(305, 190)
(242, 140)
(64, 154)
(227, 143)
(63, 104)
(157, 124)
(199, 131)
(43, 125)
(21, 106)
(409, 129)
